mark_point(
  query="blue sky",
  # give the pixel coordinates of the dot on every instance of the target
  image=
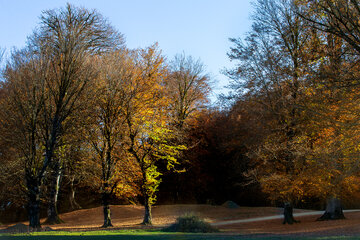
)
(200, 28)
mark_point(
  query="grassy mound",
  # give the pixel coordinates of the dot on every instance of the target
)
(190, 223)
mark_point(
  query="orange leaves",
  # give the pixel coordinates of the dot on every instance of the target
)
(128, 176)
(147, 136)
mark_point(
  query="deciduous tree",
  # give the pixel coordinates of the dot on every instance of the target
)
(107, 133)
(335, 17)
(69, 36)
(147, 123)
(22, 111)
(47, 80)
(188, 87)
(270, 69)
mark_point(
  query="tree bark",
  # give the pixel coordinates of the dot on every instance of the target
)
(73, 204)
(53, 216)
(147, 217)
(288, 214)
(333, 210)
(107, 212)
(33, 202)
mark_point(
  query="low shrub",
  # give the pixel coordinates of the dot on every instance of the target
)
(190, 223)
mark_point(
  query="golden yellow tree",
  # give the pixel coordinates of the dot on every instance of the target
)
(147, 121)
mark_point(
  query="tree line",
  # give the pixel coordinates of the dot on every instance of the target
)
(81, 109)
(296, 79)
(76, 103)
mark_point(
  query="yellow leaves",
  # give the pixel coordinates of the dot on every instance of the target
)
(309, 91)
(151, 183)
(277, 185)
(147, 119)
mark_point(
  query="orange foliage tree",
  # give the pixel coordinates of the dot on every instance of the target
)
(147, 121)
(107, 132)
(271, 65)
(306, 81)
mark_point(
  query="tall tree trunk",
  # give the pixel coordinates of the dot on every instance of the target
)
(106, 208)
(147, 217)
(333, 210)
(288, 214)
(53, 216)
(73, 204)
(33, 202)
(105, 194)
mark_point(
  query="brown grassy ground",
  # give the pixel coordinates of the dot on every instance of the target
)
(131, 216)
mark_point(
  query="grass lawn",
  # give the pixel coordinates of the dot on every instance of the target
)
(143, 235)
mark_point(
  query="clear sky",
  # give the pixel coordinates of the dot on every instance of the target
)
(200, 28)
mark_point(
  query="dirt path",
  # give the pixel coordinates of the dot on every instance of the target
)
(307, 227)
(257, 219)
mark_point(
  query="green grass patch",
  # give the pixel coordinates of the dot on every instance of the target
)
(112, 235)
(109, 235)
(146, 235)
(90, 233)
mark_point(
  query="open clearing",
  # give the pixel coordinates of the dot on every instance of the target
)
(231, 222)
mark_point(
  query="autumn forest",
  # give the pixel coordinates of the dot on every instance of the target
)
(86, 121)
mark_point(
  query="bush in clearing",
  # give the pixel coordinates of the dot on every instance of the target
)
(190, 223)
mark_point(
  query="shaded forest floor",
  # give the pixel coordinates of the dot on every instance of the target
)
(130, 217)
